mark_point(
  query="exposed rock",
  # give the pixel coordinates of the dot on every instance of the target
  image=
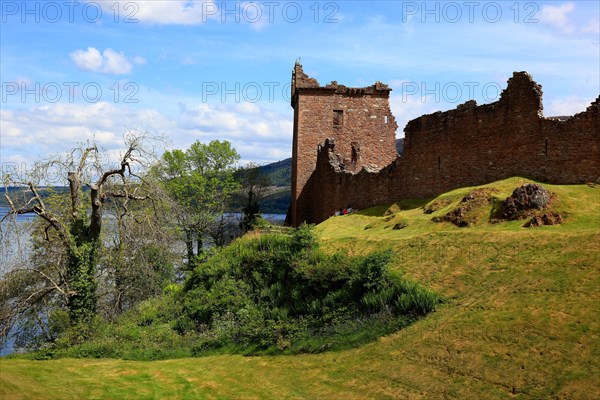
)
(466, 213)
(549, 218)
(436, 205)
(400, 225)
(524, 199)
(393, 209)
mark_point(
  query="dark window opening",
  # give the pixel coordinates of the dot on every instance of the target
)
(546, 148)
(354, 155)
(338, 117)
(439, 163)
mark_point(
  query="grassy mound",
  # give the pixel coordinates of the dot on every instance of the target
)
(521, 320)
(264, 294)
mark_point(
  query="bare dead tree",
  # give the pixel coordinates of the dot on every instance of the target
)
(76, 235)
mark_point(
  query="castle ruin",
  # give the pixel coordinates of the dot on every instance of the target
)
(344, 146)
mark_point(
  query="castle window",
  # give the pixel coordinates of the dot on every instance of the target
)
(385, 119)
(338, 117)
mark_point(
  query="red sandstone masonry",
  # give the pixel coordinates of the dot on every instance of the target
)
(470, 145)
(361, 120)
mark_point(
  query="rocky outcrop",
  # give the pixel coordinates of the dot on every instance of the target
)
(467, 211)
(523, 200)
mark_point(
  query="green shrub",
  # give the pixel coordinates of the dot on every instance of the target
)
(276, 291)
(266, 294)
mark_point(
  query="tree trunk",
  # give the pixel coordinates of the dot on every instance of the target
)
(75, 189)
(200, 244)
(119, 264)
(81, 267)
(189, 243)
(83, 256)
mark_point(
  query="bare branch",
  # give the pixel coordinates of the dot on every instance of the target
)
(45, 276)
(46, 236)
(124, 195)
(84, 156)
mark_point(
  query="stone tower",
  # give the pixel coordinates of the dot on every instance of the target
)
(358, 120)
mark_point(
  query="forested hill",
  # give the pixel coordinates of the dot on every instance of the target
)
(15, 192)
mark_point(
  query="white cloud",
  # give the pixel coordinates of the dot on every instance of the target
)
(166, 12)
(247, 108)
(139, 60)
(405, 108)
(565, 107)
(90, 60)
(36, 133)
(108, 62)
(188, 60)
(557, 16)
(592, 27)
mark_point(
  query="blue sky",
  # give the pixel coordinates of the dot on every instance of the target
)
(76, 71)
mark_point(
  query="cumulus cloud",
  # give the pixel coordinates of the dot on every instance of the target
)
(166, 12)
(592, 27)
(107, 62)
(191, 12)
(259, 135)
(558, 16)
(568, 106)
(406, 108)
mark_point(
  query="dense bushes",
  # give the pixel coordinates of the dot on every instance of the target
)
(266, 294)
(274, 291)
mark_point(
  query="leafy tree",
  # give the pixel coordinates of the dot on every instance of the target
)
(255, 185)
(200, 181)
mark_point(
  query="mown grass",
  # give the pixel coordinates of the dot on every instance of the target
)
(521, 321)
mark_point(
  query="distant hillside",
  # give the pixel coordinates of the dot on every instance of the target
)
(279, 173)
(20, 194)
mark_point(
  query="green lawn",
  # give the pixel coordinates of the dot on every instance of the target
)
(521, 321)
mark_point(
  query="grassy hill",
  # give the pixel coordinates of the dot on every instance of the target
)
(521, 320)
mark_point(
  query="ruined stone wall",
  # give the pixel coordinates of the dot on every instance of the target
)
(470, 145)
(473, 145)
(359, 118)
(332, 188)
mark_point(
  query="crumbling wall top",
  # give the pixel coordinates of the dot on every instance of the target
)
(302, 82)
(523, 89)
(522, 95)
